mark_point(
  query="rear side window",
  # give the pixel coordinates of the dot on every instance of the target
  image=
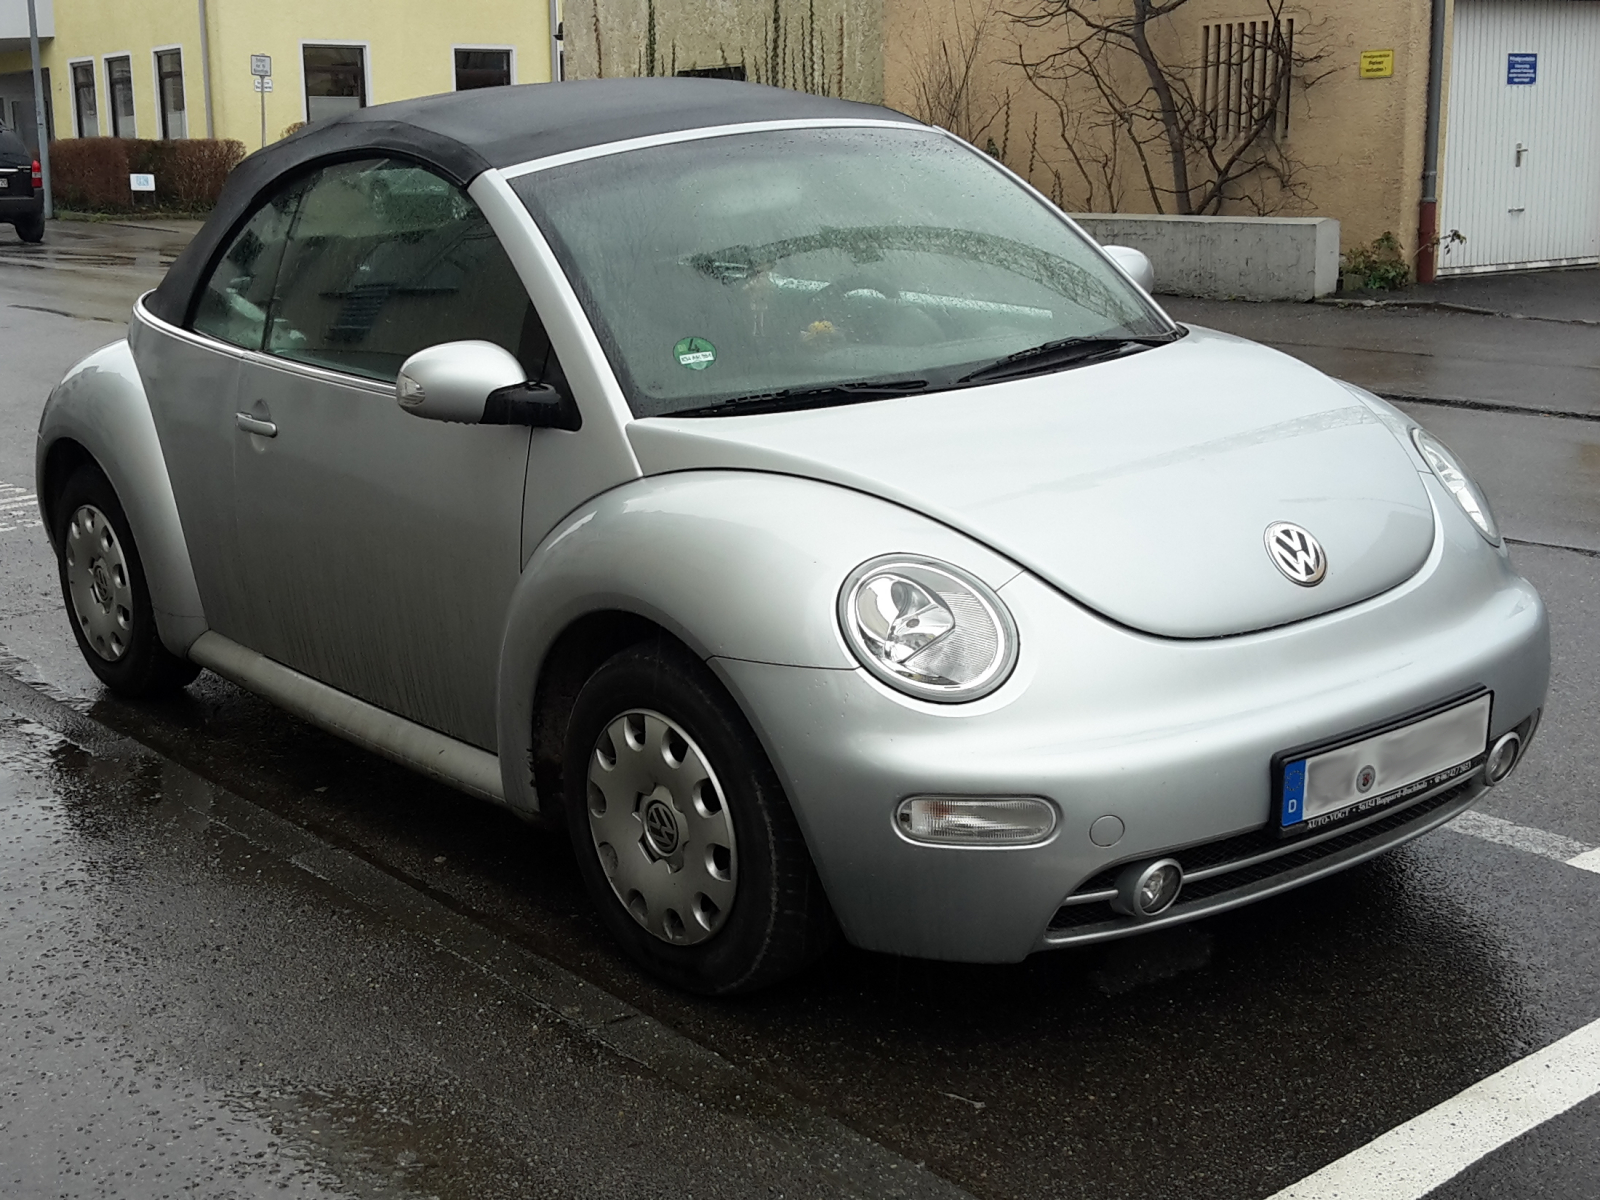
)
(233, 303)
(385, 259)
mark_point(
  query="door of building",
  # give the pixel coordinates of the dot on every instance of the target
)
(1522, 139)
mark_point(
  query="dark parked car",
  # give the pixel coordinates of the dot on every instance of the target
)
(21, 193)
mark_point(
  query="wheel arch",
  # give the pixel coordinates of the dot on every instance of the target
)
(99, 415)
(730, 564)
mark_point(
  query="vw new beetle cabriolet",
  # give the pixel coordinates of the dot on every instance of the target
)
(789, 500)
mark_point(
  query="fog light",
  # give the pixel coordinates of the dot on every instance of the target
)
(976, 821)
(1503, 756)
(1147, 889)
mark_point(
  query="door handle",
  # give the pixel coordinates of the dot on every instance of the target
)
(1521, 150)
(255, 425)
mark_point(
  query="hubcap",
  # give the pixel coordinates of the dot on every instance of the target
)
(661, 829)
(98, 583)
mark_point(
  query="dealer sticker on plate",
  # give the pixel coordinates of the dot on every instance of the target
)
(1373, 772)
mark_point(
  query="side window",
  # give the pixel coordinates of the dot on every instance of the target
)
(386, 259)
(234, 301)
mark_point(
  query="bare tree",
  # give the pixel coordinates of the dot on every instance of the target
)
(945, 83)
(1204, 124)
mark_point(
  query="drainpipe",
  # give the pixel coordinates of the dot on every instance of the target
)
(1428, 214)
(205, 66)
(38, 110)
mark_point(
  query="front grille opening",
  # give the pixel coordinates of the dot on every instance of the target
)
(1245, 846)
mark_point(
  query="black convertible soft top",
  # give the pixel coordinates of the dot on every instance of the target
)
(463, 134)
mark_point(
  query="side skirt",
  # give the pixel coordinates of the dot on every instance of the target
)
(474, 771)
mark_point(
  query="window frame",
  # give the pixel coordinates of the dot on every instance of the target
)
(161, 98)
(366, 97)
(125, 56)
(77, 95)
(511, 62)
(296, 177)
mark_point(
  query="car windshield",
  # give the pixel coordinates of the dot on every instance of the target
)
(839, 263)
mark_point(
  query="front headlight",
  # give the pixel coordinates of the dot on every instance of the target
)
(1448, 468)
(927, 628)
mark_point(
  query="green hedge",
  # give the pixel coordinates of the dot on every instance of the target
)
(91, 174)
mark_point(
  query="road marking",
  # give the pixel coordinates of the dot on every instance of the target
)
(19, 508)
(1412, 1159)
(1521, 837)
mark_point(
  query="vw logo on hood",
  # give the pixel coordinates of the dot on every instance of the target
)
(1296, 553)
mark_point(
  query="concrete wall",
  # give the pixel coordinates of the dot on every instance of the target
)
(1245, 258)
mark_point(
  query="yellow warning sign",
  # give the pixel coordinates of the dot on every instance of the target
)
(1377, 64)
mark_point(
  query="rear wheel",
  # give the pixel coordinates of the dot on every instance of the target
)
(107, 598)
(31, 229)
(684, 837)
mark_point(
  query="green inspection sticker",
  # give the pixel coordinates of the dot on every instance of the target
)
(695, 353)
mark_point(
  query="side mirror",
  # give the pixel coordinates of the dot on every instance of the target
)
(479, 383)
(1134, 263)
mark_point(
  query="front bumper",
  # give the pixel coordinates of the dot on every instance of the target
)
(1174, 738)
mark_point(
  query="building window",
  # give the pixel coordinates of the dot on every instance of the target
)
(83, 94)
(336, 80)
(734, 71)
(482, 68)
(1245, 71)
(169, 84)
(119, 82)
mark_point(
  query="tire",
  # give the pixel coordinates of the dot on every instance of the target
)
(31, 229)
(106, 596)
(696, 817)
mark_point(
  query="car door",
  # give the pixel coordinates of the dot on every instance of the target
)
(190, 376)
(380, 550)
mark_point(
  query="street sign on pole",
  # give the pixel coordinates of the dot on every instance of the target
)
(261, 68)
(38, 111)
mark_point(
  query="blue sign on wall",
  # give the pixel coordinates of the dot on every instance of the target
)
(1522, 68)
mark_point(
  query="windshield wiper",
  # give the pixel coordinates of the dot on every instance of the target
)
(791, 399)
(1066, 352)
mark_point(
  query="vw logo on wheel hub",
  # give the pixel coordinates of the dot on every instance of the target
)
(1296, 553)
(660, 827)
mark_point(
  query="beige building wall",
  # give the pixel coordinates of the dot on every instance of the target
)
(830, 47)
(1357, 143)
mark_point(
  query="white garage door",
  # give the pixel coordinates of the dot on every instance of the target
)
(1522, 140)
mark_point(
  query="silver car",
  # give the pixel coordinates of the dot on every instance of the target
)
(791, 502)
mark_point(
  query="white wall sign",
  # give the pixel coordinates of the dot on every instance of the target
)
(141, 183)
(261, 64)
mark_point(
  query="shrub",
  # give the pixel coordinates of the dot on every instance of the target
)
(1380, 266)
(91, 174)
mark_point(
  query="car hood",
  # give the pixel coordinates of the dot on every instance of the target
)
(1143, 486)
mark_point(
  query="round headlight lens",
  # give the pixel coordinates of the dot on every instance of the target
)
(927, 628)
(1455, 479)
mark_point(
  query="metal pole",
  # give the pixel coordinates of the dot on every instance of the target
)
(38, 110)
(556, 71)
(205, 66)
(261, 86)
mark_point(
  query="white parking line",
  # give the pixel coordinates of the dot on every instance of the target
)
(1412, 1159)
(18, 510)
(1521, 837)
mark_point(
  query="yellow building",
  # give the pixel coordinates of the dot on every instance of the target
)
(183, 68)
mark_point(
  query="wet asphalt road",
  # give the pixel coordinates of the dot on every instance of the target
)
(243, 958)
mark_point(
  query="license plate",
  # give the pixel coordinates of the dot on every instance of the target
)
(5, 183)
(1374, 770)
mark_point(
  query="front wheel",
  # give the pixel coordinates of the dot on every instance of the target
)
(107, 598)
(684, 837)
